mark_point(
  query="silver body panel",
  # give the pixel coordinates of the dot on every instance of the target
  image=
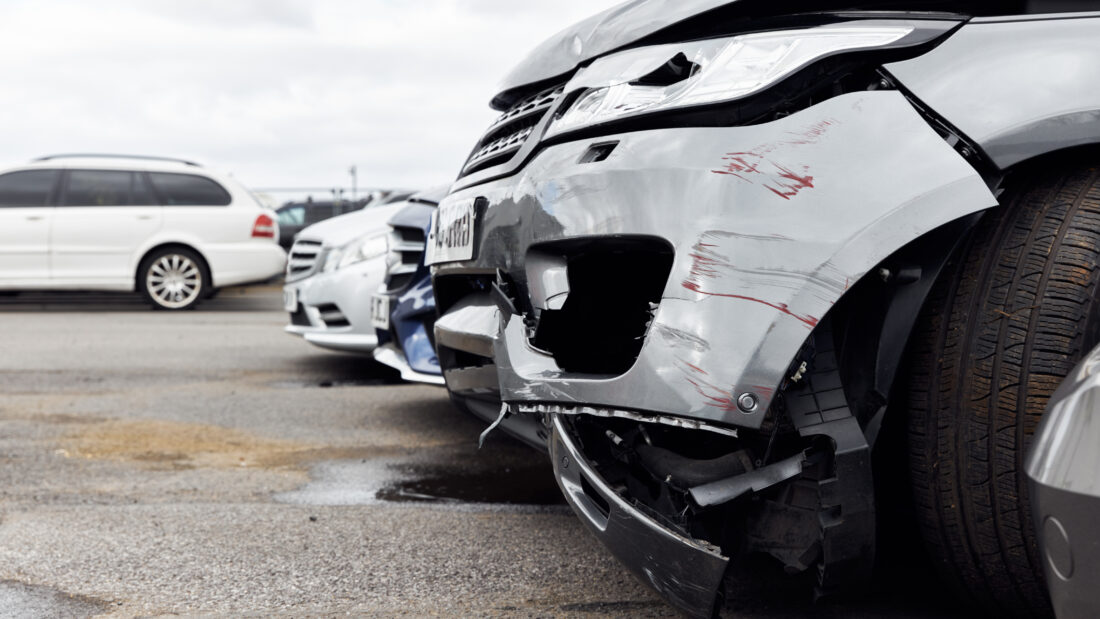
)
(1018, 89)
(350, 289)
(770, 225)
(1063, 469)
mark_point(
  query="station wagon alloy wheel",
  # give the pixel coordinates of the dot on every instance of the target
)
(173, 279)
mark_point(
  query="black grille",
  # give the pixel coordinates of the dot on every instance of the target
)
(332, 316)
(509, 132)
(405, 257)
(299, 317)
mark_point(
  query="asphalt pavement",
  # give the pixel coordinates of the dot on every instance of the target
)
(206, 463)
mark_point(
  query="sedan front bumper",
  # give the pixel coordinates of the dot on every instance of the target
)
(333, 309)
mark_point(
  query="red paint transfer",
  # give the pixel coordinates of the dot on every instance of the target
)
(755, 165)
(791, 184)
(708, 264)
(809, 321)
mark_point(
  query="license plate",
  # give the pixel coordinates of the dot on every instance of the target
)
(290, 299)
(380, 312)
(452, 233)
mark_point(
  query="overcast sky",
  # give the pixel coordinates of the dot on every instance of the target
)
(281, 93)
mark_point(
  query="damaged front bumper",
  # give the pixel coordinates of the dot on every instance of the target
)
(685, 571)
(735, 242)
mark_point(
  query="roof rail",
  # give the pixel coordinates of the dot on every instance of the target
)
(110, 156)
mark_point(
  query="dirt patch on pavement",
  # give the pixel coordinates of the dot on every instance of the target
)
(172, 445)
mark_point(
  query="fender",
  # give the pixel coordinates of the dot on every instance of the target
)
(1017, 87)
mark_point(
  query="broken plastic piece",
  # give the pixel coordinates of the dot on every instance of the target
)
(726, 490)
(493, 426)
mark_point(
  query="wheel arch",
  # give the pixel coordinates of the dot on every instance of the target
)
(172, 245)
(874, 321)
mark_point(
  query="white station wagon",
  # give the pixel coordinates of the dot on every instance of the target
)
(170, 229)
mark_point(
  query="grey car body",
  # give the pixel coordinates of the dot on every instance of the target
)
(680, 270)
(1064, 471)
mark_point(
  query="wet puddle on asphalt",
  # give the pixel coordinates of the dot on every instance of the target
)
(371, 482)
(511, 475)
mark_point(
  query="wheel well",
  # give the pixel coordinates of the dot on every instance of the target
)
(204, 263)
(874, 320)
(1054, 159)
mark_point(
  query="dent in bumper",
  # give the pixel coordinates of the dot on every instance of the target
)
(770, 225)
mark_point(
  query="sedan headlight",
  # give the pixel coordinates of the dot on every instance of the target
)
(363, 248)
(715, 71)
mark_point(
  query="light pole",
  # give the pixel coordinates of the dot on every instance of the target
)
(354, 183)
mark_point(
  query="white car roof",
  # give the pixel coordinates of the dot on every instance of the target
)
(117, 162)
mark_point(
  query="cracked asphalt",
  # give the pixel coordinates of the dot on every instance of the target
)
(206, 463)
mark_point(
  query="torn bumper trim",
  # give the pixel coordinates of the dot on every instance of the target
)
(686, 572)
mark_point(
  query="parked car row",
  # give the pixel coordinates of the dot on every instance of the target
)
(728, 262)
(337, 266)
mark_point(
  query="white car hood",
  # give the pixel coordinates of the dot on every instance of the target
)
(343, 229)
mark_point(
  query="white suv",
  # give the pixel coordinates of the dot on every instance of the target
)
(167, 228)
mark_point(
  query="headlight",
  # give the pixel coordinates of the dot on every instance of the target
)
(713, 71)
(362, 248)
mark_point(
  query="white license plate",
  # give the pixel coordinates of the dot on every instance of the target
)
(380, 312)
(452, 233)
(290, 299)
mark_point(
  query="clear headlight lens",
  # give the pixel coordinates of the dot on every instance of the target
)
(717, 70)
(362, 248)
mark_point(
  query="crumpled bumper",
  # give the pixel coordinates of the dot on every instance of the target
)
(686, 572)
(768, 225)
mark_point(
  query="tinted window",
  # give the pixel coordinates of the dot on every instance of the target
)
(292, 216)
(105, 188)
(27, 188)
(188, 190)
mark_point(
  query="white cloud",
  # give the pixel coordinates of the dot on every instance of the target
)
(279, 92)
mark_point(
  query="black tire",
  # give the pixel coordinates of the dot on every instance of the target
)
(173, 278)
(1003, 327)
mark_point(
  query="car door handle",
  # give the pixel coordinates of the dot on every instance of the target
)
(35, 217)
(144, 216)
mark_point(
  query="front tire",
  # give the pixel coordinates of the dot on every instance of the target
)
(173, 278)
(1006, 324)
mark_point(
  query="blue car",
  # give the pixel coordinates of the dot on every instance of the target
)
(403, 310)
